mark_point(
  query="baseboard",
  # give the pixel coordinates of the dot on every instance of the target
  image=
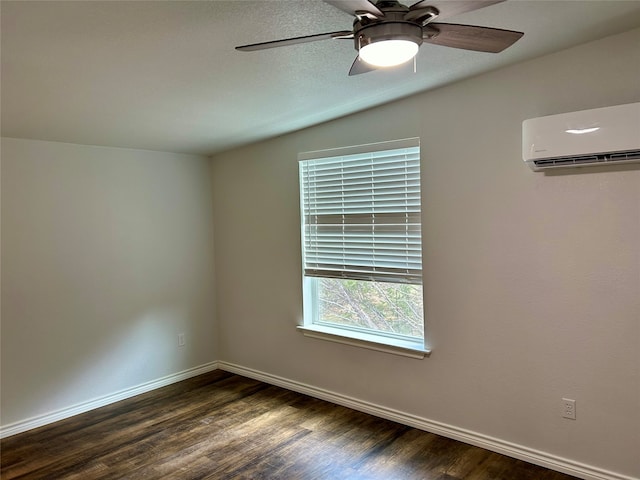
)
(553, 462)
(41, 420)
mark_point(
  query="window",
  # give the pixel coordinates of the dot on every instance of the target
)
(362, 247)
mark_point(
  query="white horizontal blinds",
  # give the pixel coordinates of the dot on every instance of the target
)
(361, 215)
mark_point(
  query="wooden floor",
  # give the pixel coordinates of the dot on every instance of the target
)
(224, 426)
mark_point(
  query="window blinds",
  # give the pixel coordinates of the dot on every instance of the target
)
(361, 214)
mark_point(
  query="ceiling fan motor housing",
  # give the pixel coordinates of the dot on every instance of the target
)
(392, 26)
(388, 31)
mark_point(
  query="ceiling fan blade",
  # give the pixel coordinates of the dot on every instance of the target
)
(470, 37)
(360, 66)
(293, 41)
(450, 8)
(356, 6)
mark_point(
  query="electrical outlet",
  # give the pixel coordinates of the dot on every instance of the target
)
(181, 339)
(569, 408)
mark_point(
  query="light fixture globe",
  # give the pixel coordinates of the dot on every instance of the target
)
(388, 44)
(388, 53)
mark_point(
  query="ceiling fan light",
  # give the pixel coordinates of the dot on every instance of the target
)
(388, 53)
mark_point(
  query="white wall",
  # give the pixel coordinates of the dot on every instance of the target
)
(106, 257)
(532, 281)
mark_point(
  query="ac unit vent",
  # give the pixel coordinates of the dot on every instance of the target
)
(600, 136)
(603, 158)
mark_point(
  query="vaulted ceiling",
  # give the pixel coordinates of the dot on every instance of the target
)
(164, 75)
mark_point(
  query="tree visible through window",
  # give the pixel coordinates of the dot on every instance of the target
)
(362, 239)
(387, 307)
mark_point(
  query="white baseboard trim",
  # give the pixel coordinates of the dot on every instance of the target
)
(41, 420)
(553, 462)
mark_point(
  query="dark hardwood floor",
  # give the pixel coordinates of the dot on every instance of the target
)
(224, 426)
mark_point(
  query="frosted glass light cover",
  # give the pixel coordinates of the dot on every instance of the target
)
(388, 53)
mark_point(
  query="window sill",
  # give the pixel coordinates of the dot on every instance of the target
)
(364, 340)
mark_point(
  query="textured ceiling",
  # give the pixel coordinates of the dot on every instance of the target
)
(164, 75)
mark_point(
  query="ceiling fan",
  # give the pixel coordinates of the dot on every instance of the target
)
(388, 33)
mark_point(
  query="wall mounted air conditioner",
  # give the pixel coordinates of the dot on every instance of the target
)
(602, 136)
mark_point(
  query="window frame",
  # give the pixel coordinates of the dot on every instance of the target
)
(413, 347)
